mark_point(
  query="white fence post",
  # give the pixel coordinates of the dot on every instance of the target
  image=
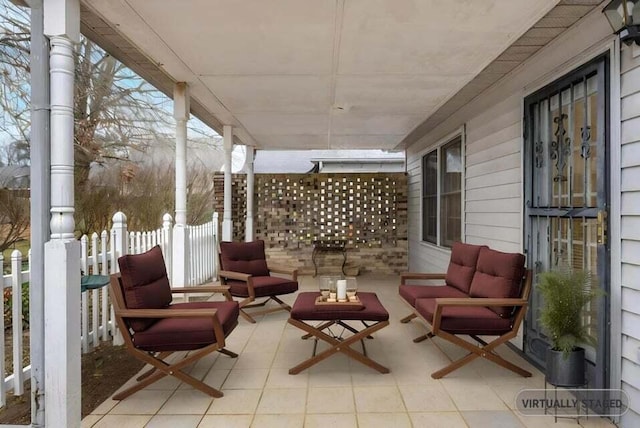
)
(216, 228)
(167, 242)
(180, 256)
(104, 308)
(121, 248)
(16, 279)
(121, 235)
(84, 315)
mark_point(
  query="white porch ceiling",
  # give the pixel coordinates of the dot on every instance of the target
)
(314, 74)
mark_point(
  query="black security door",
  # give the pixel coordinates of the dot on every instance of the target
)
(566, 183)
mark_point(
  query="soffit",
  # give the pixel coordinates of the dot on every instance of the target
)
(317, 74)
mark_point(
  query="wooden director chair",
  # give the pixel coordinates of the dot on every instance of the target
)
(153, 328)
(245, 270)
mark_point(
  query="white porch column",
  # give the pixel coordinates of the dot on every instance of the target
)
(248, 228)
(62, 252)
(227, 217)
(180, 251)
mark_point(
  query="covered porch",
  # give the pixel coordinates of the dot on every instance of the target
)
(419, 77)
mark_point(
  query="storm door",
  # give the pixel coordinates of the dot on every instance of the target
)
(566, 197)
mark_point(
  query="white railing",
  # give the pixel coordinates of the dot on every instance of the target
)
(99, 254)
(203, 251)
(12, 283)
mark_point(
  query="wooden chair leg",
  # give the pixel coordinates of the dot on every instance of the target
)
(408, 318)
(423, 337)
(477, 352)
(343, 346)
(161, 369)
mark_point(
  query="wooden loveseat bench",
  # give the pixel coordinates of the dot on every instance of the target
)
(485, 293)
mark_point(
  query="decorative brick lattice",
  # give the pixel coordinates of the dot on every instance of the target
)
(369, 211)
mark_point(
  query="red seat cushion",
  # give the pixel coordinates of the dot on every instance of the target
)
(305, 308)
(183, 334)
(498, 275)
(263, 286)
(412, 292)
(462, 265)
(465, 320)
(244, 257)
(145, 284)
(228, 312)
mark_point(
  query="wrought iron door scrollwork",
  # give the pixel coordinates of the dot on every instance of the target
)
(585, 148)
(560, 147)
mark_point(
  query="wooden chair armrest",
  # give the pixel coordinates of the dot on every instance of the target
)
(167, 313)
(223, 289)
(234, 275)
(418, 275)
(285, 270)
(201, 289)
(478, 301)
(469, 302)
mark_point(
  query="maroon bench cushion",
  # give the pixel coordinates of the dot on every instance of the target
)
(411, 293)
(304, 308)
(498, 275)
(462, 265)
(263, 286)
(244, 257)
(465, 320)
(183, 334)
(145, 284)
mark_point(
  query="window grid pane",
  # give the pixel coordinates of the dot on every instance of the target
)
(430, 197)
(451, 193)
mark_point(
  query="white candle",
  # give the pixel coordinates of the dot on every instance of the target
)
(342, 289)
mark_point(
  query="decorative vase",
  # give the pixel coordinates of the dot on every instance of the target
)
(565, 371)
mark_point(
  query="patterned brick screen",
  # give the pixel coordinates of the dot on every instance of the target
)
(369, 211)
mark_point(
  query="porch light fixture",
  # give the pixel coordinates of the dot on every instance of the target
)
(624, 18)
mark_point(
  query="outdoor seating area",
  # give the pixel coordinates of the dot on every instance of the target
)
(338, 391)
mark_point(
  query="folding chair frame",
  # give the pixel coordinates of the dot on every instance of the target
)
(484, 349)
(249, 302)
(339, 345)
(160, 367)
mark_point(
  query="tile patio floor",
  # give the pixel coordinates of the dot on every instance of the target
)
(338, 392)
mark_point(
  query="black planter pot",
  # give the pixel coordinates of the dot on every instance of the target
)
(569, 371)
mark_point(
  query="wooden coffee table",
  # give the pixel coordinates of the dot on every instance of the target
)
(372, 315)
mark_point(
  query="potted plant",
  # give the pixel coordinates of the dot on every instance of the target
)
(566, 294)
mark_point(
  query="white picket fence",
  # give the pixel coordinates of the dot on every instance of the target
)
(98, 257)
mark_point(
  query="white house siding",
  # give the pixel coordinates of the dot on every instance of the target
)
(493, 160)
(493, 175)
(630, 229)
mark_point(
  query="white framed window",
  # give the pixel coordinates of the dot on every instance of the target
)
(442, 175)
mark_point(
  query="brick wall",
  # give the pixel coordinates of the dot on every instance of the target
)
(368, 211)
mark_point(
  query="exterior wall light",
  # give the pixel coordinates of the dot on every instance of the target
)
(624, 18)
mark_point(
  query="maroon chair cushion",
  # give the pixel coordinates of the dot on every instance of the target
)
(228, 312)
(305, 308)
(411, 293)
(145, 284)
(244, 257)
(183, 334)
(462, 265)
(498, 275)
(476, 320)
(263, 286)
